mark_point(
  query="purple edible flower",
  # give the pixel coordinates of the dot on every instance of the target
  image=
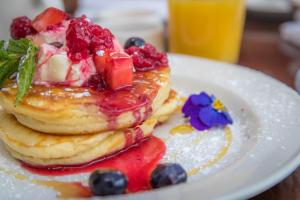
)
(205, 112)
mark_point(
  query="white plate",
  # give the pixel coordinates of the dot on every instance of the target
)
(264, 148)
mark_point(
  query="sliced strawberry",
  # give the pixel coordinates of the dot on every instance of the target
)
(48, 17)
(118, 73)
(100, 60)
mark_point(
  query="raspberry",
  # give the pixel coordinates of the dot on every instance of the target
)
(147, 58)
(97, 82)
(101, 39)
(21, 27)
(78, 39)
(85, 38)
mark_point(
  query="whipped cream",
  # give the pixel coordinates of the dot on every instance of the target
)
(54, 66)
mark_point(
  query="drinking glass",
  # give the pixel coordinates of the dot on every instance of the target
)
(206, 28)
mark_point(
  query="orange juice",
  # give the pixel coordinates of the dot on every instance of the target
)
(208, 28)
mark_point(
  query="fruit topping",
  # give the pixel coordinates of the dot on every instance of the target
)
(101, 38)
(100, 60)
(147, 58)
(21, 27)
(91, 55)
(134, 41)
(108, 182)
(56, 34)
(85, 38)
(168, 174)
(78, 39)
(119, 70)
(50, 16)
(96, 81)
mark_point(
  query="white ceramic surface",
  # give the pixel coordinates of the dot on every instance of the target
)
(264, 149)
(125, 23)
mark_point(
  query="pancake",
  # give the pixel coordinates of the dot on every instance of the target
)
(168, 108)
(112, 143)
(71, 110)
(39, 148)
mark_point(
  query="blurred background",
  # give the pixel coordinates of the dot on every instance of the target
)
(260, 34)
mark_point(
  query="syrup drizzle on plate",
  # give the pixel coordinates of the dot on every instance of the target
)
(221, 153)
(64, 189)
(188, 129)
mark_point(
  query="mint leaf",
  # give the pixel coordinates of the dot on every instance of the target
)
(7, 69)
(18, 56)
(4, 55)
(18, 46)
(13, 50)
(8, 63)
(26, 71)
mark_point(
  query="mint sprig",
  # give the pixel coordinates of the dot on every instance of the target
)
(18, 56)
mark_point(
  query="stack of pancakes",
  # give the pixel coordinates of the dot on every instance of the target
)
(55, 125)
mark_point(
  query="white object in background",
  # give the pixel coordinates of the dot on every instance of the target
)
(126, 23)
(92, 8)
(290, 32)
(272, 6)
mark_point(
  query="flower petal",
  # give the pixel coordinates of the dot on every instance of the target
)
(188, 108)
(197, 124)
(208, 116)
(202, 113)
(220, 120)
(228, 118)
(202, 99)
(211, 117)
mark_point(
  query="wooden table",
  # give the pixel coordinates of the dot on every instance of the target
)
(263, 50)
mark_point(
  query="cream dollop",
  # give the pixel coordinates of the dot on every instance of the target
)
(55, 67)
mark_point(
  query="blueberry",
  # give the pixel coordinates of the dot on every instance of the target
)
(108, 182)
(134, 41)
(168, 174)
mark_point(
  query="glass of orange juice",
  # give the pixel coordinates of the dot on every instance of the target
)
(207, 28)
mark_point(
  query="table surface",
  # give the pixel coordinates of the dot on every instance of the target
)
(263, 50)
